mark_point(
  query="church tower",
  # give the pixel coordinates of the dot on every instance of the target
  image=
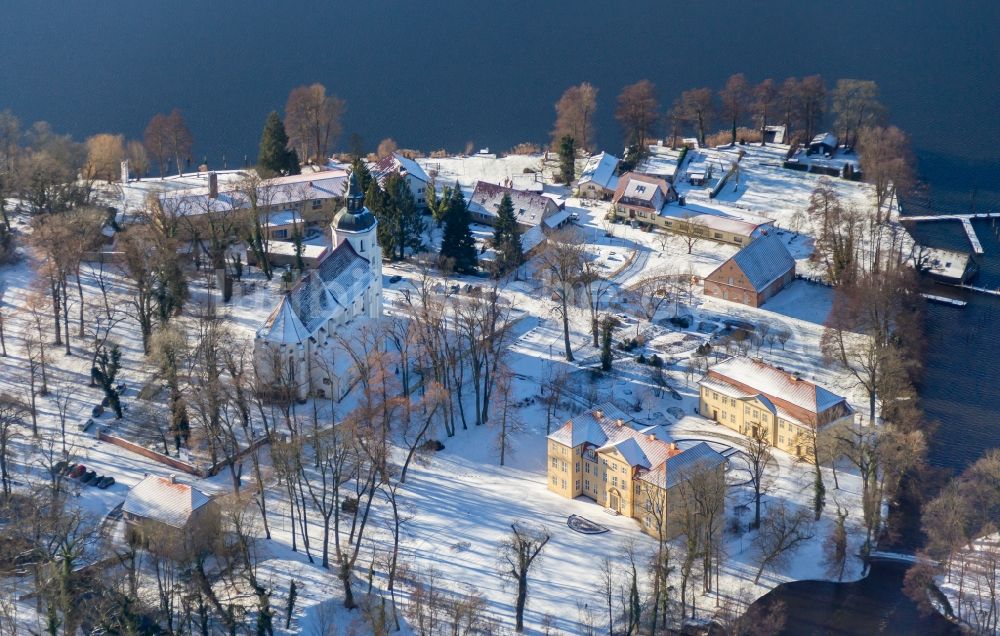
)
(356, 224)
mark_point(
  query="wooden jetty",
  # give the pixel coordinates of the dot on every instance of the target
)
(965, 219)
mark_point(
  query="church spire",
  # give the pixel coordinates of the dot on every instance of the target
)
(355, 197)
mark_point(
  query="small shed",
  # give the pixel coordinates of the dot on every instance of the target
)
(170, 515)
(823, 144)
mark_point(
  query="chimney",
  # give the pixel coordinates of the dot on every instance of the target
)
(673, 446)
(213, 185)
(173, 478)
(598, 415)
(619, 423)
(652, 437)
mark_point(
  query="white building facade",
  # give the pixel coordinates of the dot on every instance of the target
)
(299, 350)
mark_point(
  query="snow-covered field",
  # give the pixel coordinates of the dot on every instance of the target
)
(459, 501)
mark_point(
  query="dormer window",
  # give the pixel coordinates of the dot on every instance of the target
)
(640, 189)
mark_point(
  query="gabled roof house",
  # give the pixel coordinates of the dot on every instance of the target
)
(755, 273)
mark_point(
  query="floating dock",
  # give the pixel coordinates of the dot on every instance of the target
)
(966, 220)
(945, 300)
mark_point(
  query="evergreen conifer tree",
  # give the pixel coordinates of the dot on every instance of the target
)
(567, 159)
(365, 178)
(507, 237)
(274, 156)
(606, 345)
(409, 226)
(377, 202)
(457, 244)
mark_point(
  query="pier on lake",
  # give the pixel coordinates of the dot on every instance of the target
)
(965, 219)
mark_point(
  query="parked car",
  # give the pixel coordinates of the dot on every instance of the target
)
(88, 477)
(395, 278)
(77, 470)
(86, 425)
(96, 411)
(105, 482)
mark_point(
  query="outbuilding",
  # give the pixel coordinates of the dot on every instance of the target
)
(757, 272)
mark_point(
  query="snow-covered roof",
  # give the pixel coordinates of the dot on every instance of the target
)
(529, 208)
(287, 248)
(826, 139)
(682, 465)
(741, 224)
(283, 325)
(555, 220)
(641, 187)
(165, 500)
(600, 170)
(764, 261)
(286, 190)
(397, 163)
(340, 277)
(283, 217)
(592, 427)
(607, 428)
(751, 376)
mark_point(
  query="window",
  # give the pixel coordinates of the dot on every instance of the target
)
(564, 483)
(577, 469)
(732, 401)
(586, 484)
(317, 204)
(718, 235)
(730, 280)
(624, 470)
(555, 462)
(781, 439)
(577, 486)
(640, 188)
(715, 396)
(280, 234)
(737, 240)
(614, 481)
(586, 468)
(564, 466)
(732, 418)
(555, 482)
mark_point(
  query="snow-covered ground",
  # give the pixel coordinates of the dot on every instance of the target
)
(460, 501)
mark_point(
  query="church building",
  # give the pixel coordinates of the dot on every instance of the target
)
(298, 349)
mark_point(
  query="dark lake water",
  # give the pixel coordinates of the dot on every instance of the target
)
(441, 74)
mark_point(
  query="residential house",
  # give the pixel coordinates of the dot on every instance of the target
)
(641, 197)
(600, 177)
(409, 169)
(530, 208)
(173, 517)
(630, 470)
(754, 398)
(754, 274)
(685, 218)
(312, 195)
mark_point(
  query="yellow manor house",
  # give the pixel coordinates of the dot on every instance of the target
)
(752, 398)
(631, 471)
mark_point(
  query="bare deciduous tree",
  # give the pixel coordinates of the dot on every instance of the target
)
(637, 112)
(517, 554)
(574, 116)
(312, 119)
